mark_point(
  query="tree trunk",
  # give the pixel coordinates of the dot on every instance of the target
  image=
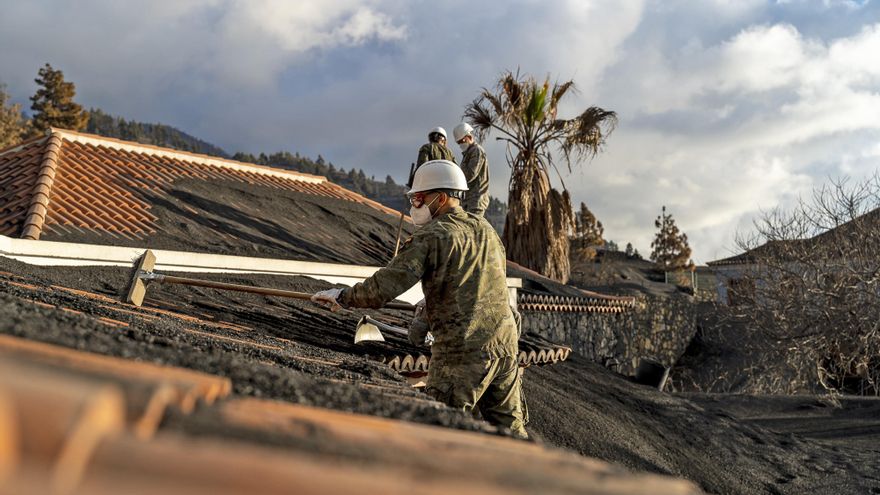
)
(537, 225)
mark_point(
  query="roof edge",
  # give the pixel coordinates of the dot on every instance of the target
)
(587, 294)
(96, 140)
(53, 253)
(22, 145)
(372, 202)
(726, 262)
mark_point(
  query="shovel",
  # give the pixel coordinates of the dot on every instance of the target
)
(143, 274)
(370, 329)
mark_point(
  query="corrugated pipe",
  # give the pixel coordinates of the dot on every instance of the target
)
(36, 216)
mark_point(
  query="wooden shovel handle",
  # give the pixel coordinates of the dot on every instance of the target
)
(169, 279)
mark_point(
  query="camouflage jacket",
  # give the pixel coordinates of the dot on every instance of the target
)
(461, 263)
(434, 151)
(476, 170)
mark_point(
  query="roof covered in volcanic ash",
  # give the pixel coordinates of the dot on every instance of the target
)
(76, 187)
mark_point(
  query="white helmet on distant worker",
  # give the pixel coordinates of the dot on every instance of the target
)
(437, 130)
(438, 174)
(462, 130)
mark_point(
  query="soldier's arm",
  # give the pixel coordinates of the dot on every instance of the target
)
(467, 169)
(401, 273)
(471, 165)
(450, 155)
(480, 206)
(424, 154)
(469, 162)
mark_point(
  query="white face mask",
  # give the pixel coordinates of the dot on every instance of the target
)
(422, 215)
(464, 146)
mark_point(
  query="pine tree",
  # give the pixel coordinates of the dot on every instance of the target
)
(244, 157)
(631, 252)
(13, 125)
(671, 251)
(53, 103)
(589, 230)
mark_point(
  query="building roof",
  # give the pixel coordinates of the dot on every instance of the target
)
(747, 257)
(784, 249)
(80, 187)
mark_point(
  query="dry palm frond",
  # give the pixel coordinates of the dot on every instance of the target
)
(585, 135)
(497, 104)
(481, 117)
(511, 89)
(559, 90)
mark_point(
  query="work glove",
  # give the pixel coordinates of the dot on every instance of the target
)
(328, 299)
(418, 327)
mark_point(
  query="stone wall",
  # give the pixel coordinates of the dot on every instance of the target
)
(659, 328)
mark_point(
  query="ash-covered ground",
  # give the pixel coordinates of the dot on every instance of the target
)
(726, 444)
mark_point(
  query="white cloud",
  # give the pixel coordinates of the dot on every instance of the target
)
(201, 44)
(304, 25)
(759, 59)
(255, 40)
(722, 130)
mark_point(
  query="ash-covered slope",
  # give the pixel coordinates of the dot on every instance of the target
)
(584, 407)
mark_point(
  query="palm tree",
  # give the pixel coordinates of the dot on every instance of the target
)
(523, 112)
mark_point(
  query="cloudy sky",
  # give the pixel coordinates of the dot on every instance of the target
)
(725, 106)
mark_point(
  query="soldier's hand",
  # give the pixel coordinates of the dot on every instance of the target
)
(328, 299)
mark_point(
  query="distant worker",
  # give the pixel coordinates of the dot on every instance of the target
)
(460, 262)
(435, 148)
(476, 169)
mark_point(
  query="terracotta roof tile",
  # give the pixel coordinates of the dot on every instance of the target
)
(19, 169)
(86, 181)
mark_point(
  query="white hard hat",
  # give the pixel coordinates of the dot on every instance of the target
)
(462, 130)
(438, 130)
(438, 174)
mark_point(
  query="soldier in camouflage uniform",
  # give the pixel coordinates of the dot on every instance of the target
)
(460, 262)
(435, 148)
(476, 170)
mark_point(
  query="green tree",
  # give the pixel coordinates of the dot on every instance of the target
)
(670, 247)
(13, 124)
(523, 112)
(53, 103)
(589, 230)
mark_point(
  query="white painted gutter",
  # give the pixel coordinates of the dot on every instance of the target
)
(49, 253)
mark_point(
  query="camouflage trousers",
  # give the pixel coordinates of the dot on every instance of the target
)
(493, 387)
